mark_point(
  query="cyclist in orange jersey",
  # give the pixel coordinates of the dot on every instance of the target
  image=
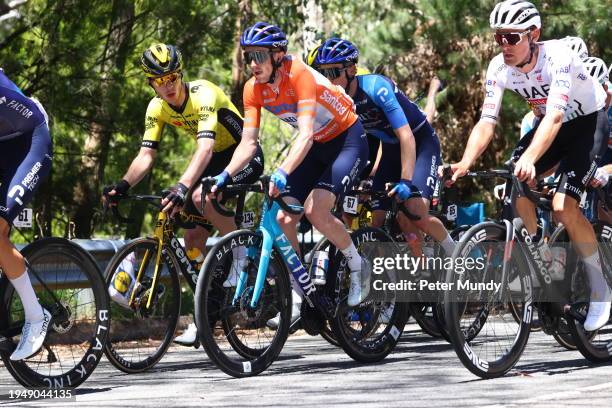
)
(327, 156)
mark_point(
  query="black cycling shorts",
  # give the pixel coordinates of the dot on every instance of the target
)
(219, 161)
(25, 161)
(571, 149)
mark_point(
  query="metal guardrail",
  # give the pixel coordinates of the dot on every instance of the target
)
(103, 249)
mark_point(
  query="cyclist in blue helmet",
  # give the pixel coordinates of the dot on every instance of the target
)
(266, 35)
(337, 53)
(387, 113)
(327, 156)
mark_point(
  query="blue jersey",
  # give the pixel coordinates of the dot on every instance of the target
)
(18, 113)
(383, 107)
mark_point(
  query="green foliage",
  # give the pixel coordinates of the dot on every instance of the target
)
(61, 51)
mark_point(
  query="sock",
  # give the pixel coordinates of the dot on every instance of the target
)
(296, 298)
(32, 309)
(239, 253)
(296, 291)
(543, 248)
(448, 245)
(352, 256)
(599, 287)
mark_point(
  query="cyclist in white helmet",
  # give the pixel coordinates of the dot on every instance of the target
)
(557, 84)
(577, 45)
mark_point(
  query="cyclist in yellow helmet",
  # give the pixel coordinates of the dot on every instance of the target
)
(202, 110)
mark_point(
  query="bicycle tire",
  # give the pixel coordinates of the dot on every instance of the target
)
(139, 338)
(83, 331)
(367, 344)
(563, 334)
(592, 345)
(455, 305)
(276, 298)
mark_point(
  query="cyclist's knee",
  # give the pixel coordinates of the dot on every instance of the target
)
(566, 213)
(318, 215)
(195, 237)
(286, 220)
(423, 223)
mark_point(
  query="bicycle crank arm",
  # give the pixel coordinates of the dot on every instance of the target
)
(572, 311)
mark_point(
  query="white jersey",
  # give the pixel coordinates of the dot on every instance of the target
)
(558, 81)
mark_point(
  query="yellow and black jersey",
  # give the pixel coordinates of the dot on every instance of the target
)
(206, 113)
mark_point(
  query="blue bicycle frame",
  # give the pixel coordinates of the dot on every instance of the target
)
(273, 237)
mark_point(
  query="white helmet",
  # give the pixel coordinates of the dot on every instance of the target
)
(577, 45)
(597, 69)
(514, 14)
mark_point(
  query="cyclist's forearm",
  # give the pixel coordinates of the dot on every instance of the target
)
(140, 166)
(479, 139)
(377, 162)
(297, 153)
(408, 151)
(302, 145)
(198, 163)
(245, 151)
(544, 136)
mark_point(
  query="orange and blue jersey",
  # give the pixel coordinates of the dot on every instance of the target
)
(302, 92)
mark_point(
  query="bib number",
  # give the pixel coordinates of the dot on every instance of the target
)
(24, 219)
(248, 219)
(350, 205)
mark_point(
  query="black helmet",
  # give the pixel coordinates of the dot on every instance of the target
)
(161, 59)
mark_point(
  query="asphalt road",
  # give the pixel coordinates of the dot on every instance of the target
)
(421, 372)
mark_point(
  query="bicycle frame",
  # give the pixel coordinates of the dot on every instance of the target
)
(273, 237)
(516, 232)
(164, 234)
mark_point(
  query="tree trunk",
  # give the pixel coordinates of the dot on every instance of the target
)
(313, 19)
(238, 74)
(95, 151)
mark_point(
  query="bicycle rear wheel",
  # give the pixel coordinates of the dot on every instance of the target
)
(371, 330)
(594, 346)
(484, 333)
(68, 283)
(235, 335)
(141, 335)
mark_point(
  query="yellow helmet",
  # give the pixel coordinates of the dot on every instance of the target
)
(161, 59)
(312, 55)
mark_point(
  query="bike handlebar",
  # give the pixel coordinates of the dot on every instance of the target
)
(153, 200)
(257, 187)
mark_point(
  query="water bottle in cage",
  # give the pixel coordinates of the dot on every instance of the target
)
(318, 267)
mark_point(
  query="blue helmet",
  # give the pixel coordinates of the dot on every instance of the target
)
(262, 34)
(337, 51)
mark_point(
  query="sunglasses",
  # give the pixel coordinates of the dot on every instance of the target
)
(169, 79)
(331, 73)
(509, 38)
(258, 56)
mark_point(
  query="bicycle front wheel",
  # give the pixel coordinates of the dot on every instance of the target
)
(69, 284)
(485, 335)
(234, 334)
(141, 333)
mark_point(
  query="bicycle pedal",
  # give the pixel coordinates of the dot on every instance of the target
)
(572, 311)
